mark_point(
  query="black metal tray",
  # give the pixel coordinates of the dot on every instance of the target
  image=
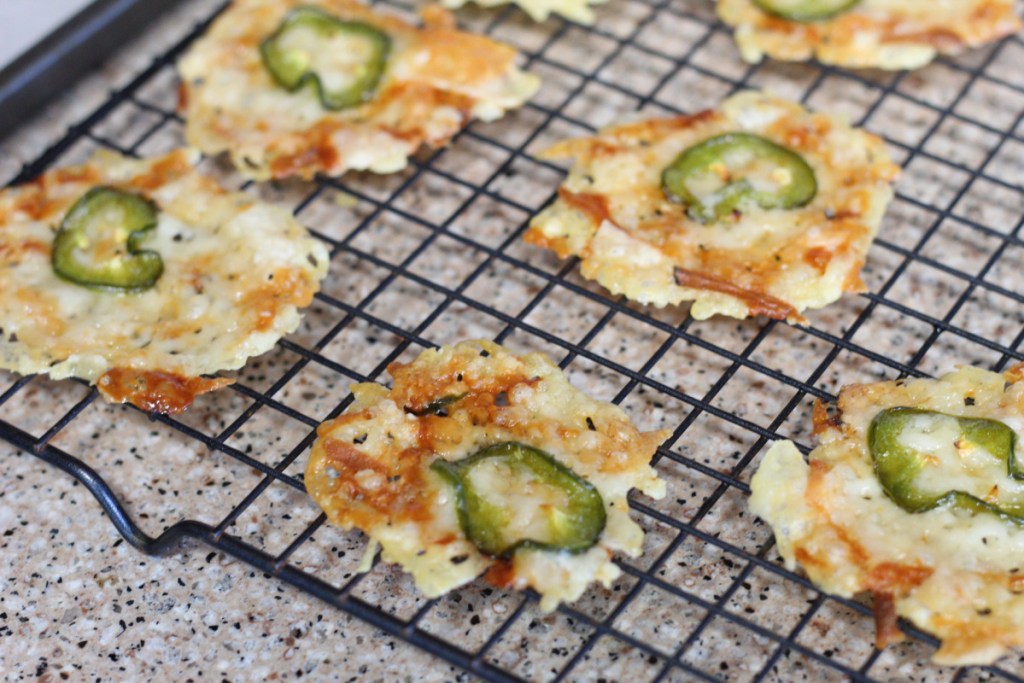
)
(60, 59)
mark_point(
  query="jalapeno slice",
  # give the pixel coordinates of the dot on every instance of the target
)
(99, 242)
(805, 10)
(343, 60)
(916, 475)
(729, 172)
(511, 496)
(438, 407)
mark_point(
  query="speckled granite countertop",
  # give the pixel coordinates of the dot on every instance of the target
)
(426, 254)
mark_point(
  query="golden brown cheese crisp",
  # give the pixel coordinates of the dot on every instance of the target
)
(437, 79)
(954, 574)
(631, 238)
(370, 468)
(235, 273)
(886, 34)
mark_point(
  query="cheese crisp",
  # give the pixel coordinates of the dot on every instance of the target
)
(886, 34)
(300, 87)
(208, 278)
(636, 239)
(915, 495)
(478, 461)
(539, 10)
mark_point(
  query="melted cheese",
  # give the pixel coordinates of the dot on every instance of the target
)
(236, 272)
(613, 214)
(956, 575)
(437, 79)
(539, 10)
(887, 34)
(370, 468)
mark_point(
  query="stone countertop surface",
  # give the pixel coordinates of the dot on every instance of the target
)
(78, 603)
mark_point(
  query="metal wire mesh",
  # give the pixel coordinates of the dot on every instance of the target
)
(433, 254)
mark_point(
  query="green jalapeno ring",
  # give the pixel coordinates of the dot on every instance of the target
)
(897, 467)
(134, 271)
(292, 71)
(585, 513)
(805, 10)
(700, 159)
(437, 407)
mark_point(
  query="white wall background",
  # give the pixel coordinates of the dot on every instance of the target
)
(25, 22)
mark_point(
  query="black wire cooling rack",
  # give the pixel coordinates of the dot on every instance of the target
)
(709, 600)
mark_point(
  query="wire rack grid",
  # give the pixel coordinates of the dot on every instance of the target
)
(433, 254)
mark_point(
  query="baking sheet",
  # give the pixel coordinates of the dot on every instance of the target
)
(47, 49)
